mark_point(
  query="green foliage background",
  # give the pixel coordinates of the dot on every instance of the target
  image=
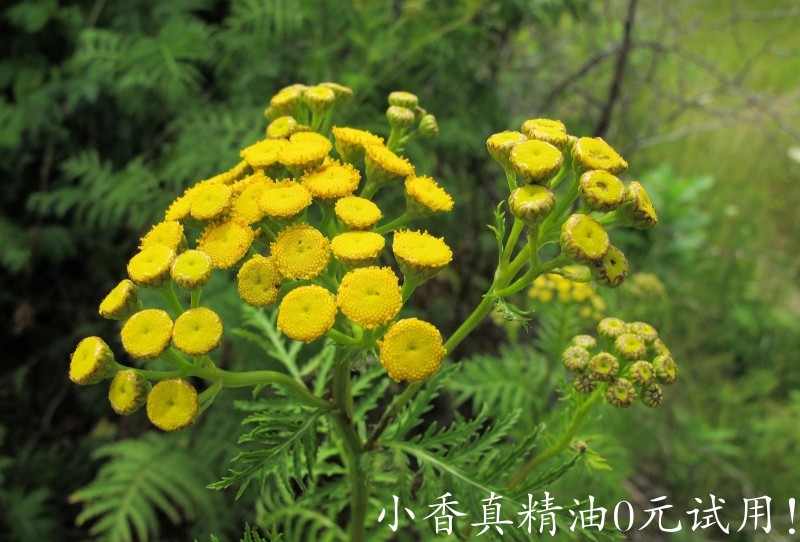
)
(109, 109)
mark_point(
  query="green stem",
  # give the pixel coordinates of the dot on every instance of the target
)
(513, 237)
(560, 445)
(409, 285)
(167, 290)
(555, 181)
(531, 275)
(196, 297)
(401, 220)
(369, 190)
(511, 179)
(342, 338)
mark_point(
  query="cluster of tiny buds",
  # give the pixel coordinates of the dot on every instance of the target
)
(629, 359)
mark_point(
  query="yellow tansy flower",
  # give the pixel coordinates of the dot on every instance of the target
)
(147, 333)
(91, 362)
(197, 331)
(584, 239)
(612, 268)
(637, 210)
(384, 167)
(549, 131)
(405, 99)
(535, 161)
(120, 302)
(420, 253)
(370, 296)
(411, 350)
(306, 150)
(357, 248)
(226, 242)
(425, 197)
(301, 252)
(332, 180)
(172, 404)
(611, 328)
(128, 392)
(281, 128)
(357, 213)
(601, 191)
(259, 281)
(319, 98)
(168, 233)
(264, 153)
(151, 266)
(531, 203)
(192, 269)
(500, 146)
(228, 177)
(630, 346)
(307, 313)
(287, 100)
(594, 153)
(284, 200)
(210, 201)
(350, 143)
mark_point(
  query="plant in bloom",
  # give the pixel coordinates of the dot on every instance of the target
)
(299, 227)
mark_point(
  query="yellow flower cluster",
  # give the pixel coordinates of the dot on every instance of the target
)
(557, 288)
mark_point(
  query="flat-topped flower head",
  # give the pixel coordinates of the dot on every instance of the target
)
(611, 269)
(341, 92)
(246, 203)
(400, 117)
(120, 302)
(601, 191)
(287, 101)
(370, 296)
(210, 201)
(151, 266)
(265, 153)
(611, 328)
(531, 203)
(642, 373)
(637, 210)
(384, 166)
(644, 331)
(411, 350)
(402, 98)
(621, 393)
(357, 213)
(284, 200)
(500, 146)
(425, 197)
(192, 269)
(306, 150)
(594, 153)
(301, 252)
(172, 404)
(197, 331)
(319, 98)
(666, 369)
(91, 362)
(549, 131)
(630, 346)
(603, 366)
(652, 395)
(307, 313)
(350, 143)
(575, 358)
(282, 127)
(357, 248)
(535, 161)
(127, 392)
(147, 333)
(420, 254)
(226, 242)
(584, 382)
(586, 341)
(179, 208)
(259, 281)
(584, 239)
(168, 233)
(332, 180)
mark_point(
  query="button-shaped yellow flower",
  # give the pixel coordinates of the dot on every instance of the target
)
(411, 350)
(128, 392)
(357, 213)
(172, 404)
(370, 296)
(419, 253)
(210, 201)
(332, 180)
(401, 98)
(549, 131)
(307, 313)
(91, 362)
(120, 302)
(357, 248)
(197, 331)
(644, 331)
(306, 150)
(259, 281)
(319, 98)
(601, 191)
(612, 268)
(584, 239)
(425, 197)
(151, 266)
(531, 203)
(500, 146)
(169, 233)
(284, 200)
(264, 153)
(301, 252)
(642, 373)
(637, 210)
(604, 366)
(287, 100)
(666, 369)
(226, 242)
(147, 333)
(384, 167)
(630, 346)
(621, 393)
(611, 328)
(535, 161)
(192, 269)
(350, 143)
(282, 127)
(594, 153)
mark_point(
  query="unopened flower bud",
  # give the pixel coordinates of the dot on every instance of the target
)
(659, 348)
(319, 99)
(343, 93)
(604, 366)
(585, 341)
(584, 239)
(584, 382)
(286, 101)
(612, 269)
(637, 210)
(611, 328)
(575, 358)
(121, 302)
(128, 392)
(630, 346)
(536, 161)
(403, 99)
(642, 373)
(652, 395)
(601, 191)
(644, 330)
(281, 127)
(400, 117)
(621, 393)
(531, 203)
(428, 127)
(666, 369)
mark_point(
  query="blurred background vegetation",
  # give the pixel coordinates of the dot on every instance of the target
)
(109, 109)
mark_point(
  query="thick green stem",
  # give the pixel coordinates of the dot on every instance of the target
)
(342, 338)
(196, 297)
(398, 222)
(561, 444)
(168, 292)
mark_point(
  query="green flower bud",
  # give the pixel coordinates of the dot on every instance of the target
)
(621, 393)
(281, 128)
(630, 346)
(666, 369)
(584, 239)
(428, 127)
(612, 269)
(604, 366)
(642, 373)
(403, 99)
(575, 358)
(659, 348)
(532, 203)
(645, 331)
(652, 395)
(637, 211)
(601, 191)
(128, 392)
(584, 382)
(549, 131)
(319, 99)
(400, 117)
(536, 161)
(586, 341)
(611, 328)
(590, 153)
(500, 145)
